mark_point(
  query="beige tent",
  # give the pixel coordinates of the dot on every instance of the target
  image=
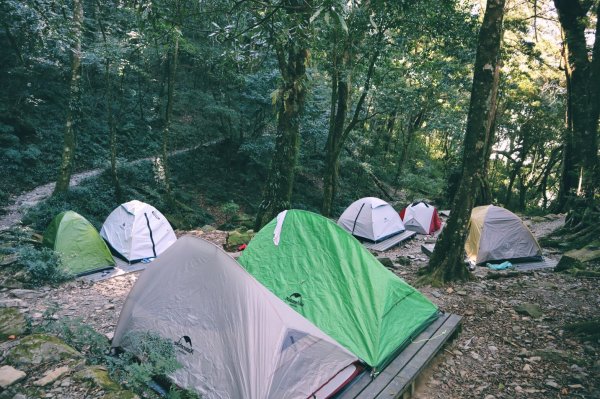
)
(496, 234)
(235, 339)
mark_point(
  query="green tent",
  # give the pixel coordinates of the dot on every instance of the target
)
(328, 277)
(83, 250)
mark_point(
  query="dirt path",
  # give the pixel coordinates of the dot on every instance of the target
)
(22, 202)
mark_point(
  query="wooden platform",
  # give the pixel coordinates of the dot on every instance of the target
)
(546, 263)
(390, 242)
(399, 376)
(539, 265)
(120, 269)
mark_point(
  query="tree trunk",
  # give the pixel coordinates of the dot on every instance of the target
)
(583, 96)
(338, 130)
(113, 134)
(340, 99)
(74, 107)
(110, 118)
(166, 135)
(277, 194)
(447, 261)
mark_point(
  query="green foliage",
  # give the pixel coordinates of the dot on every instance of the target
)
(148, 355)
(43, 265)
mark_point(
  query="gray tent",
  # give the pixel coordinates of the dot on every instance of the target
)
(234, 338)
(497, 234)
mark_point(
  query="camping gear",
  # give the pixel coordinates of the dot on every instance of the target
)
(82, 249)
(421, 217)
(137, 231)
(233, 337)
(496, 234)
(327, 276)
(372, 219)
(500, 266)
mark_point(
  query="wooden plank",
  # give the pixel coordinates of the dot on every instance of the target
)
(356, 388)
(120, 269)
(389, 373)
(409, 373)
(544, 264)
(390, 242)
(427, 249)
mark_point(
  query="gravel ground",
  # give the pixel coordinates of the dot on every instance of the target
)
(500, 353)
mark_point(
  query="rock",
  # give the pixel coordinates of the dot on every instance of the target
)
(436, 293)
(12, 322)
(236, 238)
(51, 376)
(12, 303)
(449, 290)
(552, 384)
(207, 228)
(110, 335)
(25, 294)
(490, 397)
(492, 349)
(10, 375)
(66, 383)
(98, 376)
(527, 368)
(19, 396)
(109, 306)
(475, 356)
(41, 348)
(387, 262)
(530, 309)
(461, 293)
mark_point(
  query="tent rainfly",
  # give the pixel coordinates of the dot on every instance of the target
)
(421, 217)
(372, 219)
(233, 337)
(137, 231)
(333, 281)
(82, 249)
(496, 234)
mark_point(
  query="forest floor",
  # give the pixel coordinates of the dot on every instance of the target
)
(500, 353)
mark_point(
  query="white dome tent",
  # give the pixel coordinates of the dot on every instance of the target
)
(372, 219)
(137, 231)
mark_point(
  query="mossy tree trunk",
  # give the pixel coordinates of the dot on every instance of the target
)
(74, 106)
(277, 194)
(293, 56)
(447, 260)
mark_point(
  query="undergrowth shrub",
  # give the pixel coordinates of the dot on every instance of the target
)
(43, 265)
(93, 345)
(148, 356)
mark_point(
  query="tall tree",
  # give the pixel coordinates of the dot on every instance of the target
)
(580, 157)
(292, 52)
(74, 106)
(447, 260)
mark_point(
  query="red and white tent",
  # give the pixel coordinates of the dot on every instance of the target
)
(421, 217)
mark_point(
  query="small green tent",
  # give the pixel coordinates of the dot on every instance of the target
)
(328, 277)
(83, 250)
